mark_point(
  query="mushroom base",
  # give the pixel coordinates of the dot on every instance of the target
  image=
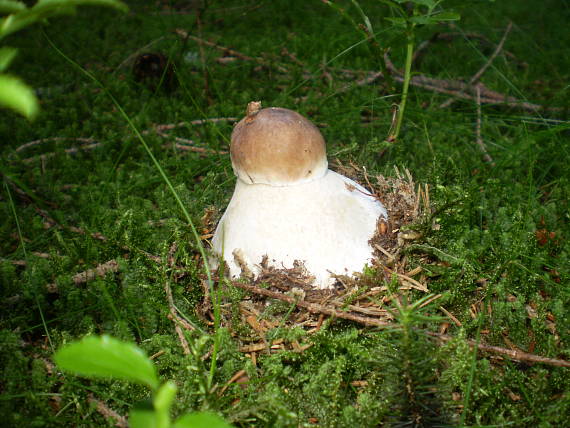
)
(325, 224)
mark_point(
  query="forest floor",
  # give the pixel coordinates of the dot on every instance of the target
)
(461, 322)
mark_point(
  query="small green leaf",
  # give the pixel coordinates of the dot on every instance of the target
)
(164, 396)
(105, 356)
(429, 3)
(201, 420)
(16, 95)
(398, 22)
(7, 54)
(11, 6)
(143, 415)
(446, 16)
(44, 9)
(162, 402)
(421, 20)
(74, 3)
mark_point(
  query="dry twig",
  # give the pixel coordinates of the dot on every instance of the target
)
(182, 33)
(108, 413)
(311, 307)
(375, 322)
(482, 70)
(514, 354)
(478, 138)
(462, 90)
(89, 274)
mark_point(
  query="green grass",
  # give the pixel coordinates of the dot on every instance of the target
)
(489, 219)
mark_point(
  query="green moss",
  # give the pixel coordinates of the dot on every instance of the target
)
(485, 251)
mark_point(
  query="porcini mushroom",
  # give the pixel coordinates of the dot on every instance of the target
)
(288, 206)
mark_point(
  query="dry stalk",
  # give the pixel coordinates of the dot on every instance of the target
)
(70, 151)
(108, 413)
(478, 138)
(169, 126)
(52, 139)
(448, 37)
(375, 322)
(514, 354)
(182, 33)
(311, 307)
(89, 274)
(462, 90)
(482, 70)
(178, 321)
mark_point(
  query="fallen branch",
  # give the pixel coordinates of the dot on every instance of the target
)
(514, 354)
(169, 126)
(187, 145)
(374, 322)
(462, 90)
(448, 37)
(478, 138)
(89, 274)
(52, 139)
(312, 307)
(70, 151)
(182, 33)
(482, 70)
(108, 413)
(50, 222)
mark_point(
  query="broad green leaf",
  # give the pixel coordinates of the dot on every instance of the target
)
(104, 356)
(16, 95)
(11, 6)
(7, 54)
(201, 420)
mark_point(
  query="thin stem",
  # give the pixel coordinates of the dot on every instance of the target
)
(471, 375)
(172, 190)
(407, 78)
(23, 244)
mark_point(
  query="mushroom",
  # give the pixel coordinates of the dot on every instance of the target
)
(288, 207)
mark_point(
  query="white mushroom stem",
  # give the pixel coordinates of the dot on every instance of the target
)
(325, 223)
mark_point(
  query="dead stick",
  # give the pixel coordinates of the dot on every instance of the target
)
(373, 322)
(487, 64)
(312, 307)
(460, 89)
(55, 139)
(478, 138)
(514, 354)
(168, 126)
(231, 52)
(108, 413)
(173, 316)
(69, 151)
(89, 274)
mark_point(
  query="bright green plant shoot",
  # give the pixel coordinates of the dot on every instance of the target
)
(407, 15)
(106, 357)
(14, 93)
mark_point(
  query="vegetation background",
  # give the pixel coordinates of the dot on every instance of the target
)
(85, 195)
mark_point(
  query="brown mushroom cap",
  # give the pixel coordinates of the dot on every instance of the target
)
(277, 146)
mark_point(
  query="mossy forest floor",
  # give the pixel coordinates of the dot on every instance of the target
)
(92, 240)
